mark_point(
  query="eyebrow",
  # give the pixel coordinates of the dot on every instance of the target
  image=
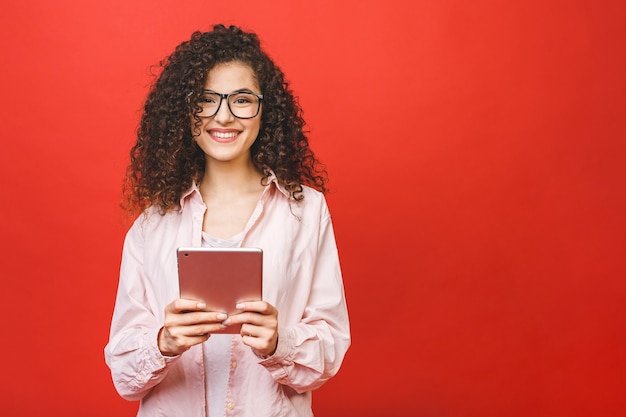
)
(241, 90)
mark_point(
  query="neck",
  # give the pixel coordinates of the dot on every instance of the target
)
(227, 178)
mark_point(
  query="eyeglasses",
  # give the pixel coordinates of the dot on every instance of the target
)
(242, 105)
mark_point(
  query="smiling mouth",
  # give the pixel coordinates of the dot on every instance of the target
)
(224, 135)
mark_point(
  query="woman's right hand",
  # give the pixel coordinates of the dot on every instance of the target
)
(187, 323)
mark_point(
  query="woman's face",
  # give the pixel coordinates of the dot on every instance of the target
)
(224, 137)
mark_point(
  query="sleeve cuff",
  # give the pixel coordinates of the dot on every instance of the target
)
(282, 358)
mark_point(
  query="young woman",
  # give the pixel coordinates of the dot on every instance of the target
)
(221, 160)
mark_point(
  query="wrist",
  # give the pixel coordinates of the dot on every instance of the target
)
(268, 355)
(162, 344)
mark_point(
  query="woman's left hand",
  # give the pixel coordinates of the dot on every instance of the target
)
(259, 326)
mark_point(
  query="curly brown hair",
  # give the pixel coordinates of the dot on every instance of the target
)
(166, 160)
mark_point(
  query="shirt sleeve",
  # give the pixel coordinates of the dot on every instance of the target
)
(132, 353)
(311, 351)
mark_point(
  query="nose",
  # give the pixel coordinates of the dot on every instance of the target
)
(223, 114)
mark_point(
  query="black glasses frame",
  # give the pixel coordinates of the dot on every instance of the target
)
(227, 96)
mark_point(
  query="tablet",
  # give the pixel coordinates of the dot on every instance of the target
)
(221, 277)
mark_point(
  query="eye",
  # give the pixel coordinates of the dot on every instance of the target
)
(208, 98)
(243, 99)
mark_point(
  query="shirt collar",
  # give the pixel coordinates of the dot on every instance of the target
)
(271, 179)
(194, 191)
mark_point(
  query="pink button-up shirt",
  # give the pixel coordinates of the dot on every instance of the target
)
(301, 278)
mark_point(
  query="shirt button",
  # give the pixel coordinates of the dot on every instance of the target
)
(233, 364)
(230, 406)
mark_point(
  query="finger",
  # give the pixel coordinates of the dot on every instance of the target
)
(262, 340)
(253, 318)
(259, 313)
(246, 317)
(189, 335)
(195, 318)
(181, 305)
(262, 307)
(201, 330)
(255, 331)
(177, 340)
(182, 333)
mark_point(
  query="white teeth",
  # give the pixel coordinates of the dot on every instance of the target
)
(225, 135)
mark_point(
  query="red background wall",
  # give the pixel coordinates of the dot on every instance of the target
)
(476, 152)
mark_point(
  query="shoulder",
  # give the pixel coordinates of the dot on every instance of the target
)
(313, 203)
(150, 220)
(312, 193)
(314, 198)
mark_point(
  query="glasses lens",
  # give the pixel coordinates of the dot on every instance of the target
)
(209, 103)
(244, 105)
